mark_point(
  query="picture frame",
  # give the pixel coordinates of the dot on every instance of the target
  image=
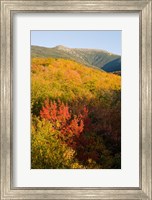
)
(8, 9)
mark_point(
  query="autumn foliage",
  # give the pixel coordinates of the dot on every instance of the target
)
(76, 116)
(60, 116)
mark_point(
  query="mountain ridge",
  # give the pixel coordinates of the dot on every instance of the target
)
(101, 59)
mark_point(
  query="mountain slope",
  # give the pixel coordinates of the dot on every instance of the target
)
(91, 57)
(69, 80)
(114, 65)
(76, 116)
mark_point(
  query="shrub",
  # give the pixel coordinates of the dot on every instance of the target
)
(48, 151)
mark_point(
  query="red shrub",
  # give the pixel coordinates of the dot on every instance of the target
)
(62, 119)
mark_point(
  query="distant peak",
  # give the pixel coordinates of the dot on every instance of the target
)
(61, 47)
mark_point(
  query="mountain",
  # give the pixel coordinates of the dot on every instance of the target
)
(91, 57)
(114, 65)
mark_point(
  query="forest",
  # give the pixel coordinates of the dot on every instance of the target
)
(75, 116)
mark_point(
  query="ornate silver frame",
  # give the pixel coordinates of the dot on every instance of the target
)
(143, 7)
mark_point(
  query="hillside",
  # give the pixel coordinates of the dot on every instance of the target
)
(91, 57)
(112, 66)
(69, 80)
(76, 116)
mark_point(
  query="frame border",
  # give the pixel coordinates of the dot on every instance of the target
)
(8, 9)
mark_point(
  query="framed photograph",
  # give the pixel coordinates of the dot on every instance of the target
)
(76, 99)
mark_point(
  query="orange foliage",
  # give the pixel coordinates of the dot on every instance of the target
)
(62, 119)
(83, 108)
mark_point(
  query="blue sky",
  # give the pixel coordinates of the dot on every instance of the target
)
(105, 40)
